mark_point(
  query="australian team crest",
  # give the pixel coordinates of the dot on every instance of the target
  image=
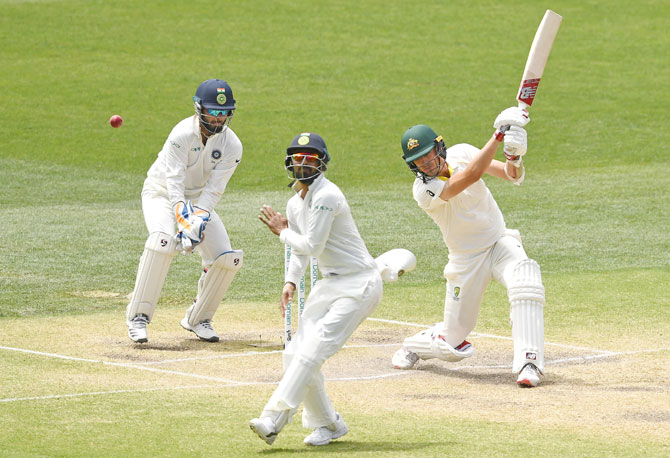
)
(216, 154)
(221, 95)
(412, 143)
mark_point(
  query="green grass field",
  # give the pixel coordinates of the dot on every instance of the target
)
(593, 212)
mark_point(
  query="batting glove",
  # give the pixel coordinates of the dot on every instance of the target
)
(514, 116)
(515, 144)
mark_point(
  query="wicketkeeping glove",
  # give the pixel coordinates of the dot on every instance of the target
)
(191, 223)
(514, 116)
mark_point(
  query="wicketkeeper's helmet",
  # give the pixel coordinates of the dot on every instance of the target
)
(417, 141)
(217, 96)
(306, 146)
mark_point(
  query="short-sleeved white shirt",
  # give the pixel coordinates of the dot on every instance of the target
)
(187, 169)
(470, 221)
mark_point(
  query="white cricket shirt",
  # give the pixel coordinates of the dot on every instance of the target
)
(321, 225)
(471, 221)
(187, 169)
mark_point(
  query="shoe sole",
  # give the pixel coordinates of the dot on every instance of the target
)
(329, 440)
(269, 439)
(145, 340)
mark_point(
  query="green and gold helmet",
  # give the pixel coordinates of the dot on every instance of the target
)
(417, 141)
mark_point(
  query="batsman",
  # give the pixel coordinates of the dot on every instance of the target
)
(449, 188)
(180, 192)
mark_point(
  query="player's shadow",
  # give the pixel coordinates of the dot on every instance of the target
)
(342, 446)
(222, 346)
(480, 377)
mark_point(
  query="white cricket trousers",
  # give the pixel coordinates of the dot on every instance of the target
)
(335, 308)
(159, 217)
(468, 276)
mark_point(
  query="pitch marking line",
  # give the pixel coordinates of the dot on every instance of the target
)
(98, 393)
(245, 354)
(490, 336)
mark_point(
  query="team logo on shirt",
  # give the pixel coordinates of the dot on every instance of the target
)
(216, 154)
(221, 96)
(412, 143)
(457, 292)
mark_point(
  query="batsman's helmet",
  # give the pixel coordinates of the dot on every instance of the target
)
(305, 146)
(217, 97)
(417, 141)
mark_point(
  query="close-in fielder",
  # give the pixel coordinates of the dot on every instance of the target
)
(448, 187)
(318, 223)
(180, 192)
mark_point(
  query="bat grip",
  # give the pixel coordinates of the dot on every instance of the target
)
(523, 105)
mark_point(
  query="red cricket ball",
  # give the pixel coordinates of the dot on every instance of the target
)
(116, 121)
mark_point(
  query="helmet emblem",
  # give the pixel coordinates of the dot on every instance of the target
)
(303, 140)
(412, 143)
(221, 96)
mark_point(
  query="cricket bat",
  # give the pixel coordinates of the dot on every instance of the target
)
(537, 58)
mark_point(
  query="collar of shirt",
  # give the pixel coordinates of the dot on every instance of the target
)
(316, 184)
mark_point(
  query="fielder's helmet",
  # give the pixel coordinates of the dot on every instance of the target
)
(417, 141)
(306, 142)
(214, 95)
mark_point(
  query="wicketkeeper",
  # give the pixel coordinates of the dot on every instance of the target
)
(318, 223)
(180, 192)
(448, 187)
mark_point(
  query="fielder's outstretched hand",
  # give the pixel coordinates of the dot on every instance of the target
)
(272, 219)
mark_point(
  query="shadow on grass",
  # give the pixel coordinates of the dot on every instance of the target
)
(339, 447)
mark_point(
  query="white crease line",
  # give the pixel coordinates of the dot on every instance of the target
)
(201, 358)
(557, 362)
(243, 355)
(234, 383)
(368, 377)
(98, 393)
(127, 365)
(416, 325)
(490, 336)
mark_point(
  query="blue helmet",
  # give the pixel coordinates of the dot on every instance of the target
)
(216, 96)
(301, 148)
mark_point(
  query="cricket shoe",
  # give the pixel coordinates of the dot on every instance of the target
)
(324, 434)
(203, 330)
(137, 328)
(403, 359)
(529, 376)
(265, 428)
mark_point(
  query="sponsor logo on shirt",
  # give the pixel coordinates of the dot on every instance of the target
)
(322, 207)
(175, 144)
(457, 293)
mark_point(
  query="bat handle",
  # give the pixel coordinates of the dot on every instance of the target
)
(523, 105)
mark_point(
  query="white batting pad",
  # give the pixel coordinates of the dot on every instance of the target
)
(526, 294)
(213, 286)
(159, 250)
(431, 343)
(394, 263)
